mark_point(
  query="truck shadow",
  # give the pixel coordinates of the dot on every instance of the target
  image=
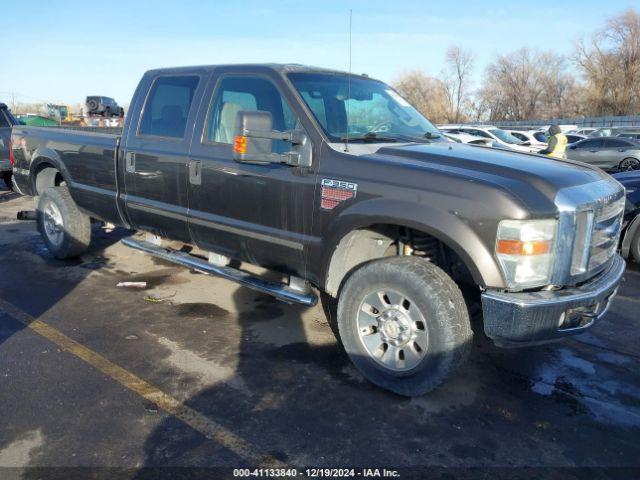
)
(298, 400)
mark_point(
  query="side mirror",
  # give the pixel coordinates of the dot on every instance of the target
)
(253, 141)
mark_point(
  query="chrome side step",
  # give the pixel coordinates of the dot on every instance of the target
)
(278, 290)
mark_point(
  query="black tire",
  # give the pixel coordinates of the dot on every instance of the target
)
(634, 248)
(436, 298)
(628, 164)
(6, 178)
(93, 106)
(70, 237)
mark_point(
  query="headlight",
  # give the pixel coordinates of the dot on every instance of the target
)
(525, 250)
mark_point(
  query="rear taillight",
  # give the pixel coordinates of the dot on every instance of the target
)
(11, 159)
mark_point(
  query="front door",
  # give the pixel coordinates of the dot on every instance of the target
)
(156, 157)
(256, 213)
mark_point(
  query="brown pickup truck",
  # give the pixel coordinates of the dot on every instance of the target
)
(338, 183)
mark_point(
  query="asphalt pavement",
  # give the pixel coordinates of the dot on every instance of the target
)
(196, 372)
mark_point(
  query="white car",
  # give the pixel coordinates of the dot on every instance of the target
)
(499, 138)
(468, 139)
(583, 131)
(535, 138)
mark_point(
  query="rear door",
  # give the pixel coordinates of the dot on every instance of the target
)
(615, 150)
(156, 154)
(257, 213)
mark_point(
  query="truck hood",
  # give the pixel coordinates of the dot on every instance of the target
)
(508, 169)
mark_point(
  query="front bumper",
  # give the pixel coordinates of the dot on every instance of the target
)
(529, 318)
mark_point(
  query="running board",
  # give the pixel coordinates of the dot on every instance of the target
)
(278, 290)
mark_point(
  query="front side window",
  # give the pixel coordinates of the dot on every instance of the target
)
(167, 106)
(589, 144)
(361, 109)
(240, 93)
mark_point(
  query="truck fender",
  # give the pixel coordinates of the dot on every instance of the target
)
(632, 229)
(46, 156)
(445, 226)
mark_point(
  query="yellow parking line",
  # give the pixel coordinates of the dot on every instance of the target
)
(194, 419)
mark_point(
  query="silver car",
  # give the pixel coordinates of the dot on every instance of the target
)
(608, 153)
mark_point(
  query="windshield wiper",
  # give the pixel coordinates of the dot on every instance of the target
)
(368, 137)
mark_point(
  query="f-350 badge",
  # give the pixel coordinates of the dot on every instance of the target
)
(335, 192)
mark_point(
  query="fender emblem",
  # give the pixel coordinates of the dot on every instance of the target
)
(336, 191)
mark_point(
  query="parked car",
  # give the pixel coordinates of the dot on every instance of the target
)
(7, 121)
(499, 137)
(105, 106)
(630, 245)
(391, 222)
(614, 131)
(468, 139)
(608, 153)
(582, 131)
(535, 138)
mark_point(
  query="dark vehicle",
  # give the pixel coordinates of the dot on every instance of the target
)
(338, 183)
(574, 137)
(105, 106)
(631, 225)
(7, 121)
(608, 153)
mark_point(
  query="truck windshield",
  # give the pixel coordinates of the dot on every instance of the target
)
(363, 109)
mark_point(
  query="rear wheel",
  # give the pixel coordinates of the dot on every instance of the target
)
(64, 228)
(629, 164)
(6, 178)
(404, 324)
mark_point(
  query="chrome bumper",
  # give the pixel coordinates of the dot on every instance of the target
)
(528, 318)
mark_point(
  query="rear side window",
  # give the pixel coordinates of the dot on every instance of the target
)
(167, 106)
(615, 143)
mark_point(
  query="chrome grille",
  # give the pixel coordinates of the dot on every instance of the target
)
(606, 232)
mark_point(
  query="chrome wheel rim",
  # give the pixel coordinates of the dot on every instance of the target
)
(630, 164)
(53, 225)
(392, 330)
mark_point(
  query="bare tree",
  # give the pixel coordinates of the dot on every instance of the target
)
(425, 93)
(610, 65)
(456, 79)
(527, 84)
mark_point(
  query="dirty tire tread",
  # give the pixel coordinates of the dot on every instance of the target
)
(442, 305)
(77, 225)
(635, 247)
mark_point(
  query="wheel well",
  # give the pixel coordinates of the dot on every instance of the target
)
(382, 240)
(46, 176)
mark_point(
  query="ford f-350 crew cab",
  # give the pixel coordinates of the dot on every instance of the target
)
(338, 183)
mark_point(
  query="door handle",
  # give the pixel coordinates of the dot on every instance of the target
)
(130, 162)
(195, 172)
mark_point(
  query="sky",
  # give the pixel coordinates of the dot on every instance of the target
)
(62, 51)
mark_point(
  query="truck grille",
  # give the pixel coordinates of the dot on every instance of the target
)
(607, 224)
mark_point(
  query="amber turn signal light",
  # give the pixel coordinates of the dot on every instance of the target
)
(240, 144)
(519, 247)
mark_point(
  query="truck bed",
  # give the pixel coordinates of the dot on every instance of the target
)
(86, 159)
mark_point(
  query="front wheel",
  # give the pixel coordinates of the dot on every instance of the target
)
(635, 247)
(64, 228)
(629, 164)
(404, 324)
